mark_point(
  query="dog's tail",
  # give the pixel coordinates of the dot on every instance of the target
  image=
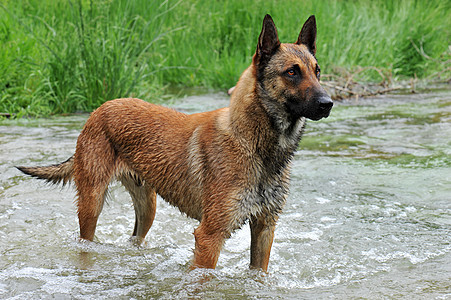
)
(58, 173)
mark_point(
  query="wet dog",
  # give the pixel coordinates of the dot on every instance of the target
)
(224, 167)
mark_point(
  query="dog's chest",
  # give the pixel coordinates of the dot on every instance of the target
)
(266, 198)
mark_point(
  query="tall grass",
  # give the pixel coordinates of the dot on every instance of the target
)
(61, 56)
(92, 52)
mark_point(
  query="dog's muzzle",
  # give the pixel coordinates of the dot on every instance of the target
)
(323, 106)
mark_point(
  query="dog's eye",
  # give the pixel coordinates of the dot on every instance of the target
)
(291, 72)
(318, 72)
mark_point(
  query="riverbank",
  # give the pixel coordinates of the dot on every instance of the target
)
(60, 57)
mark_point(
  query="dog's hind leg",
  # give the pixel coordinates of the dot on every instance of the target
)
(145, 204)
(262, 235)
(91, 195)
(94, 168)
(91, 179)
(89, 208)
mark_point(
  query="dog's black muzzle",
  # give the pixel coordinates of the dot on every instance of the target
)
(320, 107)
(325, 104)
(315, 107)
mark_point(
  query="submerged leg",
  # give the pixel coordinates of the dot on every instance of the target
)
(90, 204)
(208, 246)
(262, 235)
(145, 204)
(94, 166)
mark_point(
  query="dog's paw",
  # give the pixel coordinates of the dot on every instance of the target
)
(138, 242)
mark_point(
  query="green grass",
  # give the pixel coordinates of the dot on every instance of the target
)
(59, 56)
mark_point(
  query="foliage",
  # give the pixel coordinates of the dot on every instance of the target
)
(62, 56)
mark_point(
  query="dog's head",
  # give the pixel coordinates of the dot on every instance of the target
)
(288, 74)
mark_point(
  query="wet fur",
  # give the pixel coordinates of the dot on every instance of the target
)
(223, 167)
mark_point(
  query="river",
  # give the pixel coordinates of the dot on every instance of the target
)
(368, 216)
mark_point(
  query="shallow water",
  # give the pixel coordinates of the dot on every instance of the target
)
(369, 216)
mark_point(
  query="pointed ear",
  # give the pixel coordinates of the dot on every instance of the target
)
(268, 41)
(307, 36)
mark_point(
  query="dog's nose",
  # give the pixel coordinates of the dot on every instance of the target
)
(325, 103)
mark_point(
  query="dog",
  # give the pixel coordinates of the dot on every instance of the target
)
(224, 167)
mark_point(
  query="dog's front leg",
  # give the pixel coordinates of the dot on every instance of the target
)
(262, 235)
(208, 246)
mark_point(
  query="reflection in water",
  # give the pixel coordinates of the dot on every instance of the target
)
(86, 260)
(369, 215)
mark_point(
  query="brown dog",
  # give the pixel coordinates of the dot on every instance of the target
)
(223, 167)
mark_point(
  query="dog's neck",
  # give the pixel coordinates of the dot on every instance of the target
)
(243, 105)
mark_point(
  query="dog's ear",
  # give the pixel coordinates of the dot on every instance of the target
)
(268, 41)
(308, 35)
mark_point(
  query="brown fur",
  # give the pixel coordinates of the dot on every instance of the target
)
(223, 167)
